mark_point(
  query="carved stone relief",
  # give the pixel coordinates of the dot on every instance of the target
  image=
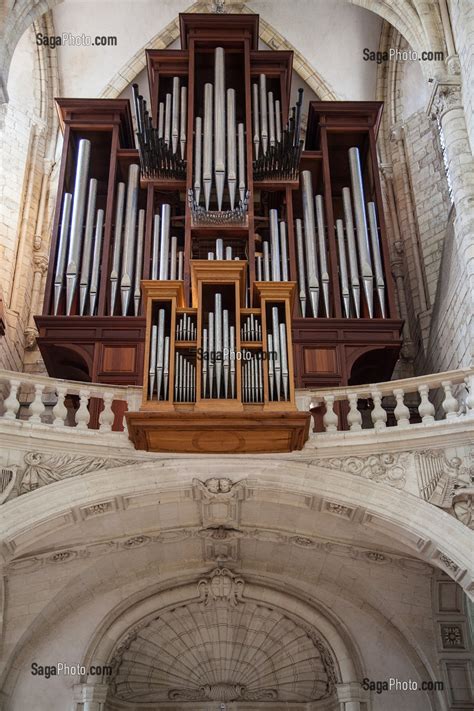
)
(40, 469)
(278, 658)
(382, 468)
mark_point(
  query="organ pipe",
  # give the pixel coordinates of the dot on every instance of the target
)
(361, 224)
(77, 219)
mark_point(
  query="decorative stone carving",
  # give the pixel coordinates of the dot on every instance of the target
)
(219, 501)
(224, 550)
(452, 636)
(8, 478)
(447, 483)
(446, 96)
(382, 468)
(221, 586)
(97, 509)
(42, 469)
(339, 509)
(278, 658)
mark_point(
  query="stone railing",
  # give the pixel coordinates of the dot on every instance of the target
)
(65, 403)
(396, 403)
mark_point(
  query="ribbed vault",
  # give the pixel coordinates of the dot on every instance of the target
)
(222, 648)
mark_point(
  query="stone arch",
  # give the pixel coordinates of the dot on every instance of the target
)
(169, 34)
(121, 631)
(420, 25)
(404, 517)
(77, 493)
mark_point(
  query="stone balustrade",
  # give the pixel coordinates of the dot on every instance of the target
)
(402, 404)
(408, 403)
(65, 403)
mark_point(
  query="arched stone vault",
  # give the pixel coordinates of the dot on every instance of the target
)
(397, 522)
(419, 22)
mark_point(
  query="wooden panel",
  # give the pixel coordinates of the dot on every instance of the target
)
(320, 360)
(119, 359)
(215, 433)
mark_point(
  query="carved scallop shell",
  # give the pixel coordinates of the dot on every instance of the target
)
(222, 652)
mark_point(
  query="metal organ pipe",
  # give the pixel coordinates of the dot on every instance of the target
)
(361, 223)
(175, 114)
(139, 261)
(310, 240)
(275, 246)
(219, 124)
(256, 120)
(198, 159)
(161, 119)
(114, 274)
(184, 116)
(155, 250)
(94, 288)
(242, 180)
(231, 147)
(167, 130)
(277, 121)
(374, 238)
(271, 119)
(263, 112)
(62, 250)
(322, 251)
(87, 247)
(77, 220)
(301, 267)
(283, 252)
(173, 264)
(164, 241)
(129, 236)
(207, 145)
(351, 245)
(341, 249)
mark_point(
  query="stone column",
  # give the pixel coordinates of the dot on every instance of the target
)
(40, 266)
(90, 697)
(397, 137)
(446, 108)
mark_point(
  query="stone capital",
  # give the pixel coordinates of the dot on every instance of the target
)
(396, 132)
(350, 691)
(387, 170)
(446, 95)
(40, 263)
(90, 692)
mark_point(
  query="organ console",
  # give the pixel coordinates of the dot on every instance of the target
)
(213, 251)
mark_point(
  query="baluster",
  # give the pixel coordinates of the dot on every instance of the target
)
(60, 409)
(469, 380)
(330, 418)
(37, 407)
(82, 414)
(401, 412)
(106, 417)
(378, 414)
(425, 408)
(12, 403)
(354, 418)
(450, 404)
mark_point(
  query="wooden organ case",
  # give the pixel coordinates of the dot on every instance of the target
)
(222, 233)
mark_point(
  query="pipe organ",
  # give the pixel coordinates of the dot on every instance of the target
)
(222, 244)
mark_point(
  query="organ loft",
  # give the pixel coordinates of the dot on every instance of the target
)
(213, 249)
